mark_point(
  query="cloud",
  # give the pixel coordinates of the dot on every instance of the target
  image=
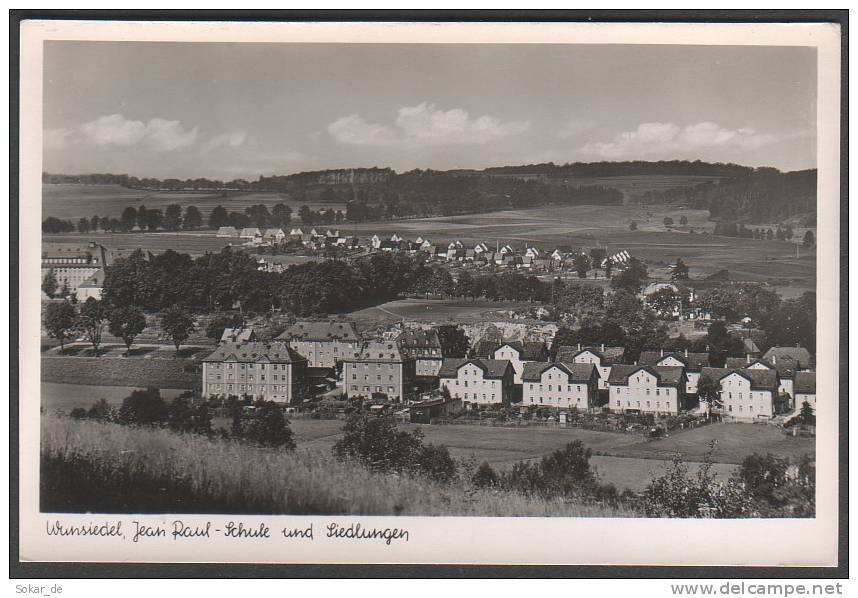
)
(234, 139)
(158, 134)
(424, 125)
(58, 138)
(573, 128)
(663, 138)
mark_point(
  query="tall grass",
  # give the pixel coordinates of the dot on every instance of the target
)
(92, 466)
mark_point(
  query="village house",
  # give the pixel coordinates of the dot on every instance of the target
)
(379, 369)
(250, 232)
(73, 263)
(274, 234)
(296, 233)
(423, 412)
(91, 287)
(798, 354)
(692, 362)
(659, 390)
(227, 231)
(478, 381)
(238, 335)
(786, 368)
(322, 343)
(516, 352)
(805, 390)
(603, 358)
(746, 394)
(564, 385)
(425, 347)
(261, 370)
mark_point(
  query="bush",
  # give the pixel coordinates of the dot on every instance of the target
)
(78, 413)
(101, 411)
(434, 462)
(267, 426)
(485, 476)
(143, 408)
(375, 442)
(564, 473)
(184, 415)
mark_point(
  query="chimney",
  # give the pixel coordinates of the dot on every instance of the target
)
(686, 352)
(603, 347)
(661, 353)
(748, 357)
(774, 359)
(579, 346)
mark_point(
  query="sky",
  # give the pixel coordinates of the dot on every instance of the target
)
(228, 111)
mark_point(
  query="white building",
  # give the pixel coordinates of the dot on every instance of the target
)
(519, 353)
(560, 385)
(603, 358)
(274, 234)
(805, 389)
(647, 389)
(692, 362)
(478, 381)
(270, 371)
(746, 394)
(324, 343)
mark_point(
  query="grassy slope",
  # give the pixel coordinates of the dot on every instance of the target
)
(218, 476)
(168, 373)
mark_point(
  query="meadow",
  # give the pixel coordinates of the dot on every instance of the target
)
(431, 310)
(138, 373)
(71, 202)
(107, 468)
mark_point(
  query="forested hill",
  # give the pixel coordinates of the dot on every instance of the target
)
(729, 191)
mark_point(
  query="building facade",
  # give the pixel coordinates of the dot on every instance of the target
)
(659, 390)
(73, 263)
(604, 358)
(324, 344)
(425, 347)
(379, 368)
(271, 371)
(805, 390)
(692, 362)
(520, 353)
(746, 394)
(564, 385)
(478, 381)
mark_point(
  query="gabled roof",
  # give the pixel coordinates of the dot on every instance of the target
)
(378, 352)
(492, 368)
(96, 281)
(527, 350)
(331, 330)
(760, 379)
(577, 372)
(692, 361)
(237, 335)
(801, 355)
(419, 339)
(256, 351)
(666, 375)
(805, 382)
(607, 355)
(273, 232)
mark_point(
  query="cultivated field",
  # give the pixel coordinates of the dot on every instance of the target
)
(431, 310)
(74, 201)
(167, 373)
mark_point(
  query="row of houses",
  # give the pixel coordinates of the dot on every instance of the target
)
(502, 372)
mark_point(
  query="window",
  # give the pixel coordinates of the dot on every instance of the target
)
(618, 403)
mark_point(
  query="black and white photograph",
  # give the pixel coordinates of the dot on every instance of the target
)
(391, 279)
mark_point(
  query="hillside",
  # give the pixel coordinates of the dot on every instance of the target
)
(728, 191)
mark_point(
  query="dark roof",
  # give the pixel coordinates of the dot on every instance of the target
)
(608, 355)
(492, 368)
(378, 351)
(419, 339)
(692, 361)
(805, 382)
(760, 379)
(258, 351)
(320, 331)
(785, 367)
(578, 372)
(667, 376)
(485, 348)
(799, 354)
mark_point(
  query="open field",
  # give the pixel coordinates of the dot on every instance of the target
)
(635, 185)
(431, 310)
(107, 468)
(75, 201)
(117, 371)
(625, 460)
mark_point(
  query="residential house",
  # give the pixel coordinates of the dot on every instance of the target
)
(323, 343)
(379, 368)
(480, 248)
(478, 381)
(375, 241)
(786, 368)
(798, 354)
(274, 234)
(425, 411)
(603, 358)
(91, 287)
(296, 233)
(272, 371)
(692, 362)
(516, 352)
(250, 232)
(532, 252)
(647, 389)
(560, 385)
(238, 335)
(805, 390)
(425, 347)
(746, 394)
(227, 231)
